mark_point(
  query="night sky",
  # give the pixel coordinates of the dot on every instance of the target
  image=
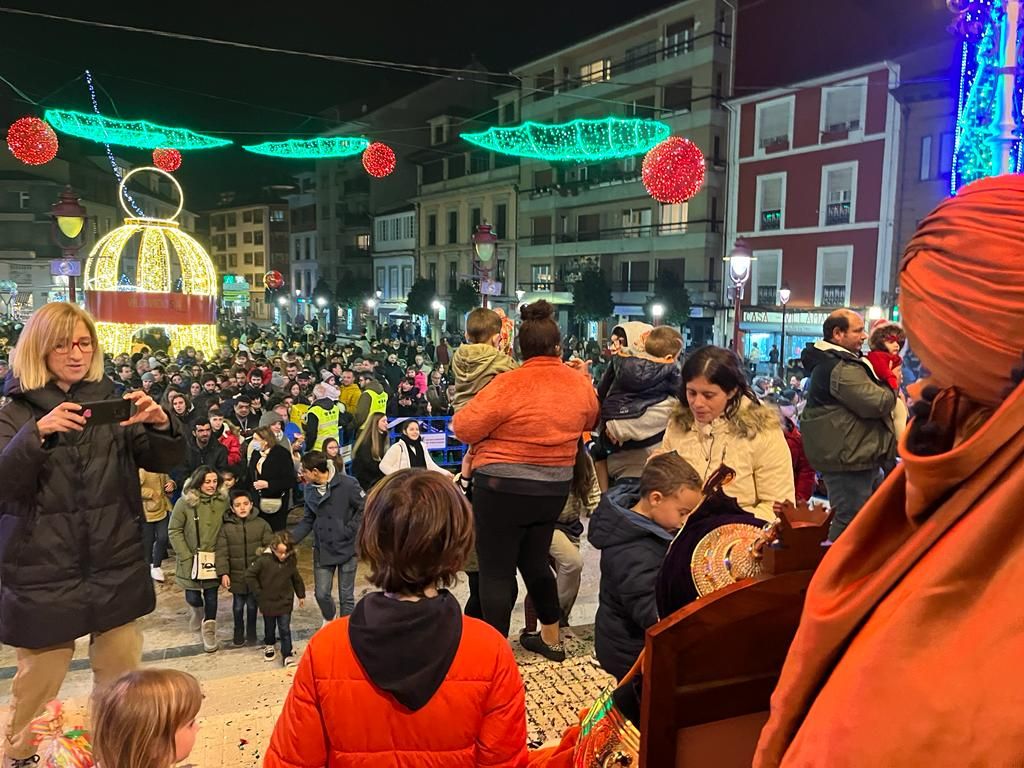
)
(211, 88)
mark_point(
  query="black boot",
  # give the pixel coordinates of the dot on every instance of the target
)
(239, 639)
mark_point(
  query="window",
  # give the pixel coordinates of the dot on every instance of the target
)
(500, 272)
(392, 283)
(232, 260)
(596, 71)
(453, 226)
(438, 134)
(946, 145)
(838, 193)
(479, 162)
(382, 231)
(832, 282)
(456, 166)
(406, 281)
(926, 158)
(275, 216)
(842, 107)
(259, 258)
(433, 172)
(716, 151)
(673, 218)
(257, 237)
(308, 247)
(636, 222)
(393, 228)
(775, 123)
(501, 220)
(218, 221)
(540, 230)
(232, 220)
(432, 273)
(540, 277)
(248, 258)
(432, 229)
(474, 219)
(673, 270)
(771, 194)
(232, 240)
(508, 112)
(363, 242)
(247, 217)
(640, 56)
(634, 275)
(247, 237)
(643, 107)
(381, 278)
(298, 250)
(766, 277)
(410, 228)
(453, 276)
(542, 179)
(588, 226)
(678, 96)
(679, 37)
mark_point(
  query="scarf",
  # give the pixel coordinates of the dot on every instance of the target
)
(416, 454)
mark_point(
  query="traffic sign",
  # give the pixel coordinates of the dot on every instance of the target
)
(66, 267)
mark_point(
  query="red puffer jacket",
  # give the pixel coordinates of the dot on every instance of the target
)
(335, 716)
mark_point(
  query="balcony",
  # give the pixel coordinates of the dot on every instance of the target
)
(771, 220)
(768, 296)
(837, 213)
(833, 295)
(669, 236)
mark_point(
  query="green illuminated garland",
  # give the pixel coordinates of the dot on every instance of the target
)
(128, 133)
(331, 146)
(579, 140)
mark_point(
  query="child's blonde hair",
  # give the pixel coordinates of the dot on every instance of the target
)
(135, 720)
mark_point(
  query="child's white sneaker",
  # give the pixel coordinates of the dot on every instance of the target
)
(269, 653)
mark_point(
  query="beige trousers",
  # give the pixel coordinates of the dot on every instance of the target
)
(41, 672)
(568, 569)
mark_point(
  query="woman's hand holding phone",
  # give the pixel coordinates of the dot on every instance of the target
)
(64, 418)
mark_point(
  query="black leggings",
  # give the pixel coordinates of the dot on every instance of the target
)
(514, 530)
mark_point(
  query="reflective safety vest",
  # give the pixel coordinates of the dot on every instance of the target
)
(326, 424)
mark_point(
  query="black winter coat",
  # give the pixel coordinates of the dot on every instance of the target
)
(275, 583)
(71, 559)
(333, 518)
(239, 543)
(632, 549)
(278, 470)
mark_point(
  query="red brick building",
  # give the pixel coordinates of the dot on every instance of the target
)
(813, 180)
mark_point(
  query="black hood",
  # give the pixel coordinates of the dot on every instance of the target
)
(613, 523)
(406, 647)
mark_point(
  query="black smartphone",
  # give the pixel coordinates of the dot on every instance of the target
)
(106, 412)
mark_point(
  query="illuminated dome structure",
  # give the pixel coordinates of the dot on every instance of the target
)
(175, 285)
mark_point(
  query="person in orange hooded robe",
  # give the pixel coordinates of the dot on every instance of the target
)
(910, 645)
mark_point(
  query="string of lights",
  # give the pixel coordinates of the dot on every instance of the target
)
(110, 155)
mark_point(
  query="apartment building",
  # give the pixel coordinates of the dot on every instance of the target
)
(304, 268)
(813, 191)
(248, 239)
(673, 65)
(394, 259)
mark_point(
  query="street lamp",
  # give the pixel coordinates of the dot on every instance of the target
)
(69, 218)
(484, 244)
(436, 305)
(739, 260)
(371, 303)
(282, 302)
(657, 312)
(321, 302)
(784, 296)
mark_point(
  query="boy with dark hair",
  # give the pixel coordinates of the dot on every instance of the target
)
(242, 538)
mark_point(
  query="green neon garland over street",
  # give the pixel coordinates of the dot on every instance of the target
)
(579, 140)
(330, 146)
(128, 133)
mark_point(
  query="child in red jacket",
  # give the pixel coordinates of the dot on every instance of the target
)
(886, 341)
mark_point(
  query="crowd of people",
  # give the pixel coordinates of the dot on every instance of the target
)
(216, 453)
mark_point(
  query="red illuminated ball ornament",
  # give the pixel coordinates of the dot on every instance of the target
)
(167, 159)
(379, 160)
(673, 171)
(32, 141)
(273, 280)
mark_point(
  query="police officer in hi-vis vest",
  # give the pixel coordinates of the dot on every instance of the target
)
(326, 418)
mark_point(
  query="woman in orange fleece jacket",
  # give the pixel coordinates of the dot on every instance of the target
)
(524, 427)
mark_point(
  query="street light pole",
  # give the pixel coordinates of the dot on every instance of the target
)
(69, 217)
(784, 296)
(484, 244)
(739, 272)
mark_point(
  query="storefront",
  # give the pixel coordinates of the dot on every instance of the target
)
(763, 329)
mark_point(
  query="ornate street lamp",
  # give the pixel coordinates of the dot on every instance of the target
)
(784, 296)
(739, 260)
(485, 242)
(69, 217)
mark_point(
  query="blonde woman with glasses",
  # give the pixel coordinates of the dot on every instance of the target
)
(71, 560)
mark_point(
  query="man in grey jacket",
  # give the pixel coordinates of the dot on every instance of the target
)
(847, 422)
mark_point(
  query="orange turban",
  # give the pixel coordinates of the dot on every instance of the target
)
(962, 289)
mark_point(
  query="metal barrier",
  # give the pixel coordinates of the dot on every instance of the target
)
(438, 439)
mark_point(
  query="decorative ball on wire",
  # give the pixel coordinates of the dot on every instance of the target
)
(379, 160)
(167, 159)
(32, 141)
(273, 280)
(673, 171)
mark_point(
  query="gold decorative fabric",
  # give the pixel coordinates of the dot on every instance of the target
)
(725, 556)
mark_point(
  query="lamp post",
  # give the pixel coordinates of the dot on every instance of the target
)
(784, 296)
(485, 242)
(739, 272)
(282, 302)
(657, 312)
(69, 217)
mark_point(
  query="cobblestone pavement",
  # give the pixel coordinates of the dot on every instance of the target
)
(244, 694)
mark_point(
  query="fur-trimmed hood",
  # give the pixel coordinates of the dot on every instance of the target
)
(750, 420)
(192, 496)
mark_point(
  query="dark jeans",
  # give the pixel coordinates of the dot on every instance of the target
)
(847, 493)
(243, 609)
(323, 583)
(154, 541)
(514, 531)
(283, 625)
(205, 599)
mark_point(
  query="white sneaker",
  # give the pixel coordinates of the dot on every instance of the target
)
(157, 573)
(269, 653)
(289, 661)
